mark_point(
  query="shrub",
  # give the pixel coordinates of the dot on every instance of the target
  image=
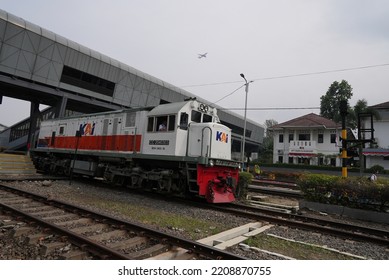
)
(356, 192)
(377, 169)
(245, 179)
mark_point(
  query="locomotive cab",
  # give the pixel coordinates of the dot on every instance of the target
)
(194, 133)
(169, 127)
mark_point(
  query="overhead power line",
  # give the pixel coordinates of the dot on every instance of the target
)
(293, 75)
(271, 108)
(227, 95)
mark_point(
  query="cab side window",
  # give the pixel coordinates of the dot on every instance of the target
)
(172, 123)
(150, 124)
(184, 121)
(162, 123)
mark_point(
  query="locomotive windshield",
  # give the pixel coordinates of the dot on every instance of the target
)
(199, 117)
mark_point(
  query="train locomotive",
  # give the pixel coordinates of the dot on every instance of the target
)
(177, 148)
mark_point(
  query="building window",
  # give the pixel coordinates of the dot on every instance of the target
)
(291, 160)
(305, 161)
(87, 81)
(304, 137)
(291, 137)
(320, 138)
(280, 159)
(281, 138)
(333, 138)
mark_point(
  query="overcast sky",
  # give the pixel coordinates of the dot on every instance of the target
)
(272, 42)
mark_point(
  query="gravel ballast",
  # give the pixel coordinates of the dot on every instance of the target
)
(89, 194)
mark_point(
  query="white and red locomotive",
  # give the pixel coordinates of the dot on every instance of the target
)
(179, 148)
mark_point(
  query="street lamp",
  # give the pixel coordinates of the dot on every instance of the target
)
(245, 113)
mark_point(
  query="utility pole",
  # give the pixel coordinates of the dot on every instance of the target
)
(343, 113)
(78, 136)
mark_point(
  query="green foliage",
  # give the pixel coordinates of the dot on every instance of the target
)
(377, 169)
(355, 192)
(245, 179)
(329, 103)
(266, 152)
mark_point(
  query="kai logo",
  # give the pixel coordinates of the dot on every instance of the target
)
(221, 136)
(87, 129)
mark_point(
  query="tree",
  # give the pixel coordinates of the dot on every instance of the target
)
(329, 104)
(266, 153)
(268, 124)
(359, 107)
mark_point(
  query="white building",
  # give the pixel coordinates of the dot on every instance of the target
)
(379, 155)
(309, 139)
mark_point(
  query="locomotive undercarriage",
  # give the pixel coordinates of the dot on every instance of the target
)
(136, 175)
(176, 177)
(131, 173)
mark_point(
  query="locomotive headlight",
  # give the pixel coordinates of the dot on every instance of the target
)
(211, 163)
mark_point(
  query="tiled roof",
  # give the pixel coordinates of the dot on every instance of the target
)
(309, 121)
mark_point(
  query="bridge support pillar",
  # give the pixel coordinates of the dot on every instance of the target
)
(35, 114)
(61, 107)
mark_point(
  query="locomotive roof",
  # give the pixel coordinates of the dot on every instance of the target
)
(172, 108)
(166, 109)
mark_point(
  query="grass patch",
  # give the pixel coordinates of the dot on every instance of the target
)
(293, 249)
(191, 227)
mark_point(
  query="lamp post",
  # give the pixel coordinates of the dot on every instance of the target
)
(245, 113)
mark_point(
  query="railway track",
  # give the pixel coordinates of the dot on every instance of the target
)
(346, 230)
(276, 191)
(273, 187)
(86, 234)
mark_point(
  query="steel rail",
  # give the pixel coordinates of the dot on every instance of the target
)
(340, 229)
(190, 245)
